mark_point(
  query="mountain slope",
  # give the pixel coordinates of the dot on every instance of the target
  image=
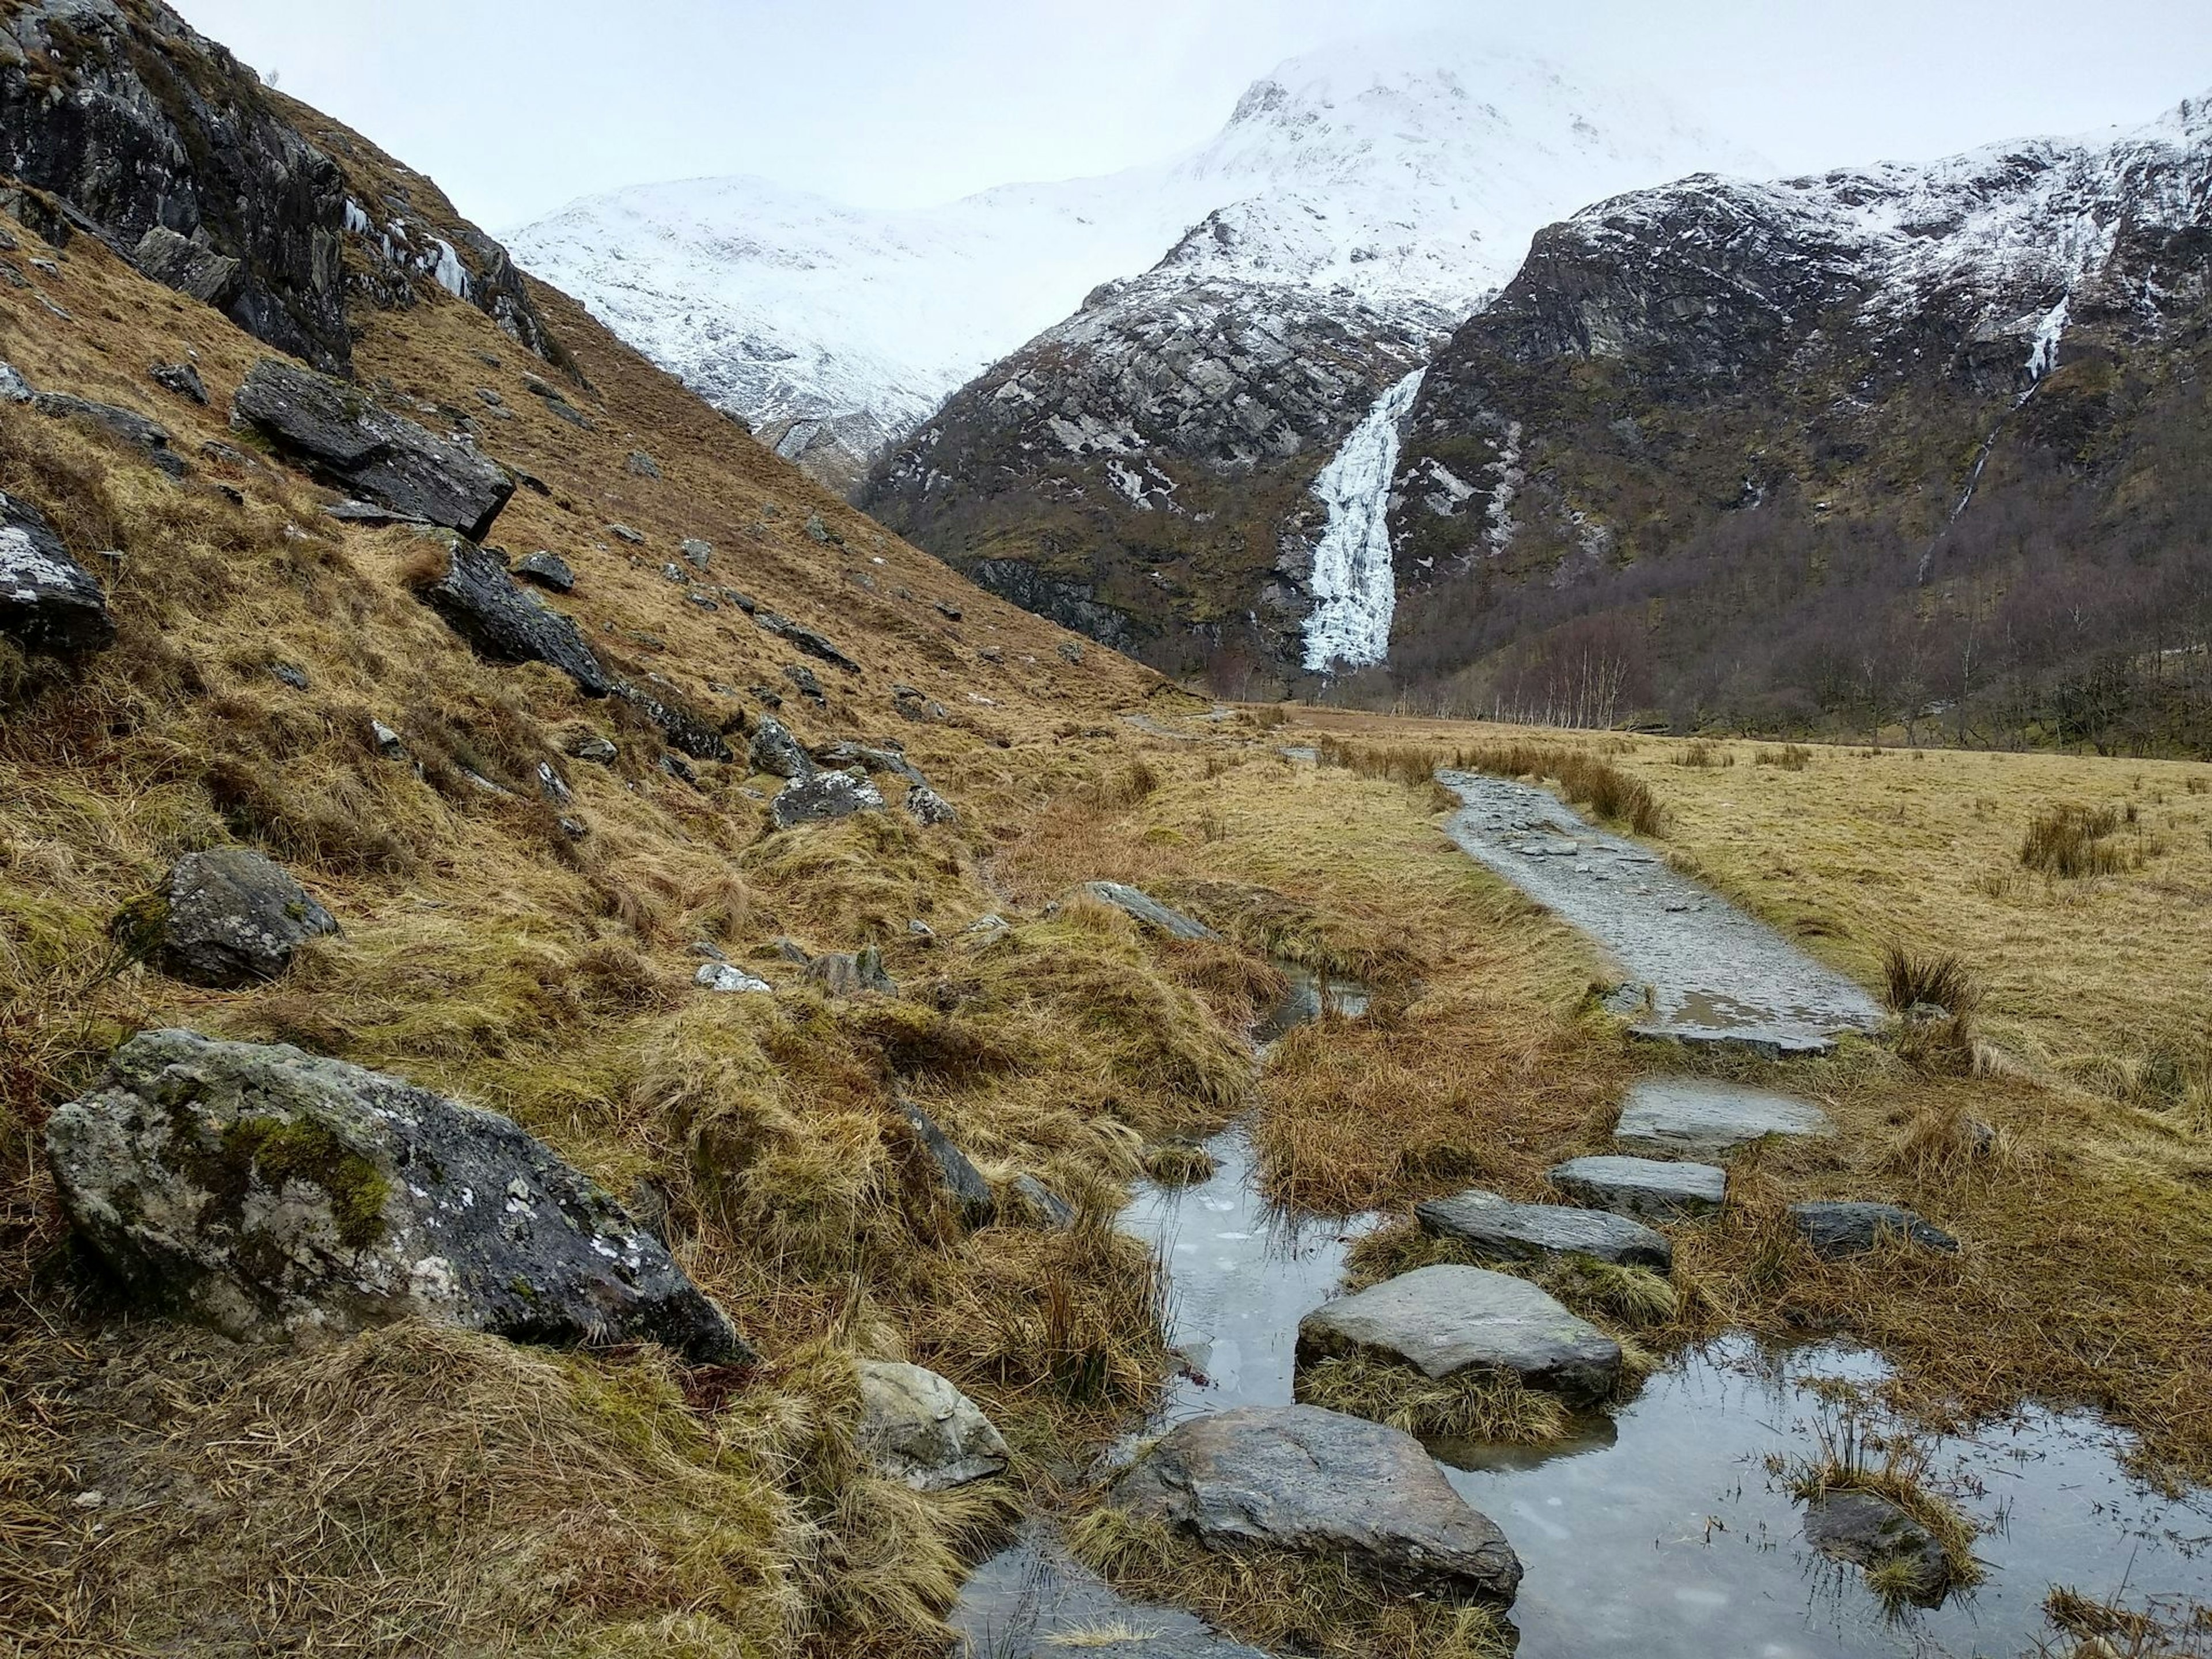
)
(1858, 442)
(834, 331)
(1143, 469)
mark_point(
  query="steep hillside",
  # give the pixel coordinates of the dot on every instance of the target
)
(835, 331)
(1143, 470)
(1848, 449)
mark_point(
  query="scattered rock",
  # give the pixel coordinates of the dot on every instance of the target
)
(643, 466)
(698, 553)
(944, 1169)
(547, 570)
(599, 750)
(342, 436)
(622, 533)
(721, 976)
(268, 1193)
(819, 532)
(1690, 1117)
(389, 743)
(777, 753)
(844, 974)
(1502, 1230)
(675, 574)
(1642, 1186)
(909, 704)
(916, 1427)
(1311, 1482)
(991, 653)
(505, 623)
(291, 674)
(1871, 1532)
(177, 262)
(927, 807)
(802, 677)
(1448, 1320)
(1042, 1206)
(804, 638)
(1147, 909)
(49, 603)
(225, 918)
(182, 378)
(950, 612)
(1837, 1229)
(14, 388)
(127, 424)
(874, 760)
(824, 795)
(686, 729)
(1070, 650)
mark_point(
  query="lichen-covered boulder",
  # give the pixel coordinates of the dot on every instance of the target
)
(823, 796)
(505, 623)
(927, 807)
(777, 753)
(226, 917)
(916, 1427)
(348, 439)
(272, 1193)
(49, 603)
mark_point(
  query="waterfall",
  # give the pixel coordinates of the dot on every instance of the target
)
(1355, 587)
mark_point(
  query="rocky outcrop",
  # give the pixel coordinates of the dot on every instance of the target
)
(1311, 1482)
(49, 603)
(687, 730)
(346, 440)
(228, 917)
(939, 1173)
(1144, 907)
(1696, 1118)
(823, 796)
(776, 752)
(1448, 1321)
(916, 1427)
(1836, 1229)
(271, 1193)
(504, 622)
(1498, 1229)
(1642, 1186)
(126, 425)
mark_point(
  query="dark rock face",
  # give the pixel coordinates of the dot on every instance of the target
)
(1872, 1532)
(942, 1172)
(506, 623)
(1501, 1230)
(141, 124)
(49, 603)
(1297, 1479)
(231, 917)
(270, 1192)
(805, 639)
(1839, 1229)
(823, 796)
(1139, 473)
(354, 443)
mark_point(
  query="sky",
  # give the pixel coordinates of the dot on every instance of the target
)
(518, 106)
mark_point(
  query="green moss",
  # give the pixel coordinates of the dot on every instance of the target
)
(281, 1151)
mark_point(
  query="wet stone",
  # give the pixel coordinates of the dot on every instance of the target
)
(1449, 1319)
(1836, 1229)
(1313, 1482)
(1147, 909)
(1036, 1600)
(1041, 1206)
(944, 1169)
(1692, 1118)
(1503, 1231)
(1642, 1186)
(1871, 1532)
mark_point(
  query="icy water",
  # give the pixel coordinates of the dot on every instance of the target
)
(1710, 972)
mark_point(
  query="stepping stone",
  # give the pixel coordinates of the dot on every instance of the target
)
(1767, 1042)
(1034, 1601)
(1147, 909)
(1503, 1231)
(1314, 1482)
(1835, 1229)
(1642, 1186)
(1872, 1532)
(1447, 1320)
(1684, 1117)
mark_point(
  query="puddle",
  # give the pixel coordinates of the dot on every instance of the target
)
(1712, 972)
(1303, 1004)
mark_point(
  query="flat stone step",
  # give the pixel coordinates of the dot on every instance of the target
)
(1691, 1117)
(1642, 1186)
(1836, 1229)
(1503, 1231)
(1449, 1319)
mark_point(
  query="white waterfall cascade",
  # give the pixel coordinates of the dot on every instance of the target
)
(1354, 586)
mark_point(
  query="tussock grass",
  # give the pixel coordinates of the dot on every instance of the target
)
(1914, 983)
(2069, 842)
(1702, 752)
(1849, 1456)
(1179, 1163)
(1791, 758)
(2090, 1628)
(1470, 1406)
(1284, 1603)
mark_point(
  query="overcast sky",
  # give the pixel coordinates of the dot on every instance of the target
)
(516, 107)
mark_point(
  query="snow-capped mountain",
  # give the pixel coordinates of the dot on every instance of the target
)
(1406, 174)
(1896, 379)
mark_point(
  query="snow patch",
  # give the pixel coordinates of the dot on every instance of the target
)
(1355, 584)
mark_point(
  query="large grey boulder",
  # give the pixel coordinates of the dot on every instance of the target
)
(823, 796)
(1690, 1117)
(349, 440)
(1448, 1320)
(779, 754)
(1869, 1531)
(1836, 1229)
(1313, 1482)
(1499, 1229)
(1642, 1186)
(1147, 909)
(49, 603)
(916, 1427)
(214, 279)
(503, 622)
(272, 1193)
(230, 917)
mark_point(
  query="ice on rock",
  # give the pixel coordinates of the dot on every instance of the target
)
(1354, 584)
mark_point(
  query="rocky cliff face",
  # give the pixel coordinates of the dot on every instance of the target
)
(140, 131)
(1147, 466)
(1715, 416)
